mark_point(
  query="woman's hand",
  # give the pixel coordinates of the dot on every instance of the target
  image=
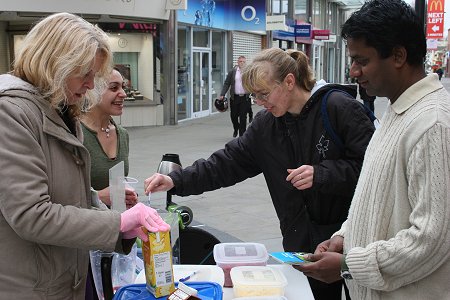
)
(157, 183)
(131, 197)
(104, 196)
(302, 177)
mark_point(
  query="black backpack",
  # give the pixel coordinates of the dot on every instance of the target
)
(326, 121)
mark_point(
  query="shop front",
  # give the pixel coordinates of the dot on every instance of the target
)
(134, 32)
(211, 34)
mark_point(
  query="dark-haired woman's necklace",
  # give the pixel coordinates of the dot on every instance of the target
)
(106, 130)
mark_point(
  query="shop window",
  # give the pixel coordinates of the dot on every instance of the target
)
(200, 37)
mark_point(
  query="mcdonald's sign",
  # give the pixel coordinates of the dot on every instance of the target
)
(436, 6)
(435, 19)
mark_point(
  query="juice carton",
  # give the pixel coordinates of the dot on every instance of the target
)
(157, 252)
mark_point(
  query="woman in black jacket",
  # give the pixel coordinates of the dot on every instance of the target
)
(310, 180)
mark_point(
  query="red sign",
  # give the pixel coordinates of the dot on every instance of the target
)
(435, 19)
(323, 34)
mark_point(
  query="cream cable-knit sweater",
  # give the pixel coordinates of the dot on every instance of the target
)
(397, 236)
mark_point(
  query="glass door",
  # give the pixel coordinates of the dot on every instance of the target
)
(201, 84)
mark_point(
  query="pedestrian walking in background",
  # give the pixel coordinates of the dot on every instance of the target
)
(311, 181)
(439, 72)
(369, 101)
(395, 243)
(49, 218)
(240, 104)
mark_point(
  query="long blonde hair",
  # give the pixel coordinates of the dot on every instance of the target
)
(275, 64)
(59, 46)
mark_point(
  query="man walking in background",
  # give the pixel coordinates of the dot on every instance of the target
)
(239, 98)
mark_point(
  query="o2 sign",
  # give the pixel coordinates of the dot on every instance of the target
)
(253, 17)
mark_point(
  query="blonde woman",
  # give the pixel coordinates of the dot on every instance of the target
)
(47, 224)
(311, 181)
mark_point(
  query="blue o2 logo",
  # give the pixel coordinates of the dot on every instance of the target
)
(252, 14)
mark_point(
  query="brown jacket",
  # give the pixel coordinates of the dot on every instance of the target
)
(46, 224)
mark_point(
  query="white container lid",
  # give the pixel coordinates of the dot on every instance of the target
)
(257, 276)
(238, 253)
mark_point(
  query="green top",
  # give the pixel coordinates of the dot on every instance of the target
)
(100, 162)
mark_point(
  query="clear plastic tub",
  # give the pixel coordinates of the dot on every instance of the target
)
(230, 255)
(257, 281)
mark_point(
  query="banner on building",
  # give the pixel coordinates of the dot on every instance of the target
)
(276, 22)
(321, 34)
(244, 15)
(286, 35)
(435, 19)
(303, 31)
(432, 44)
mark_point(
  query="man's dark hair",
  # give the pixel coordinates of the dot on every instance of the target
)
(386, 24)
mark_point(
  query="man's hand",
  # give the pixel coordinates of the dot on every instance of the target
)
(157, 183)
(335, 244)
(324, 266)
(302, 177)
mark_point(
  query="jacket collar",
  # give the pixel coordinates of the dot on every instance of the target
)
(53, 124)
(416, 92)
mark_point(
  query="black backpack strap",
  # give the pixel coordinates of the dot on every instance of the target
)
(326, 120)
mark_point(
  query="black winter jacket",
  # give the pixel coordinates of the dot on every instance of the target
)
(271, 145)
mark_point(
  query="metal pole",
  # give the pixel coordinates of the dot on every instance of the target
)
(420, 8)
(169, 79)
(269, 33)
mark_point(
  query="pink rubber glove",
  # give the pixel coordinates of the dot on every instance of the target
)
(140, 215)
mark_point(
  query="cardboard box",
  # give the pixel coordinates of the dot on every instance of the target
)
(157, 252)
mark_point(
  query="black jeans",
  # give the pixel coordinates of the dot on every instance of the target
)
(238, 113)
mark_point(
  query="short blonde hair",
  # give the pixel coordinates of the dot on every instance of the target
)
(275, 64)
(59, 46)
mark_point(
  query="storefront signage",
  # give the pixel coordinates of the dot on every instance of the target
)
(432, 44)
(321, 34)
(130, 8)
(129, 27)
(435, 19)
(277, 22)
(332, 39)
(242, 15)
(286, 35)
(303, 31)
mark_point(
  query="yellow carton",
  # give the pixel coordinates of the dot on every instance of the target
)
(157, 253)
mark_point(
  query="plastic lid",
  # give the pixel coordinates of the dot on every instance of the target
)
(206, 291)
(262, 298)
(231, 253)
(257, 275)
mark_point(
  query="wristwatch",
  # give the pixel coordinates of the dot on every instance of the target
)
(345, 273)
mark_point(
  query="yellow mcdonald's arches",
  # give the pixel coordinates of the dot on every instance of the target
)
(436, 5)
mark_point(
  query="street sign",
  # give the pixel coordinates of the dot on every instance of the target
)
(276, 22)
(321, 34)
(303, 31)
(435, 19)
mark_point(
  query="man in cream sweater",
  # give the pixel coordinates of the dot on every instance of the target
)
(395, 243)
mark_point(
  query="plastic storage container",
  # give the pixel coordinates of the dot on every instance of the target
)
(206, 291)
(257, 281)
(230, 255)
